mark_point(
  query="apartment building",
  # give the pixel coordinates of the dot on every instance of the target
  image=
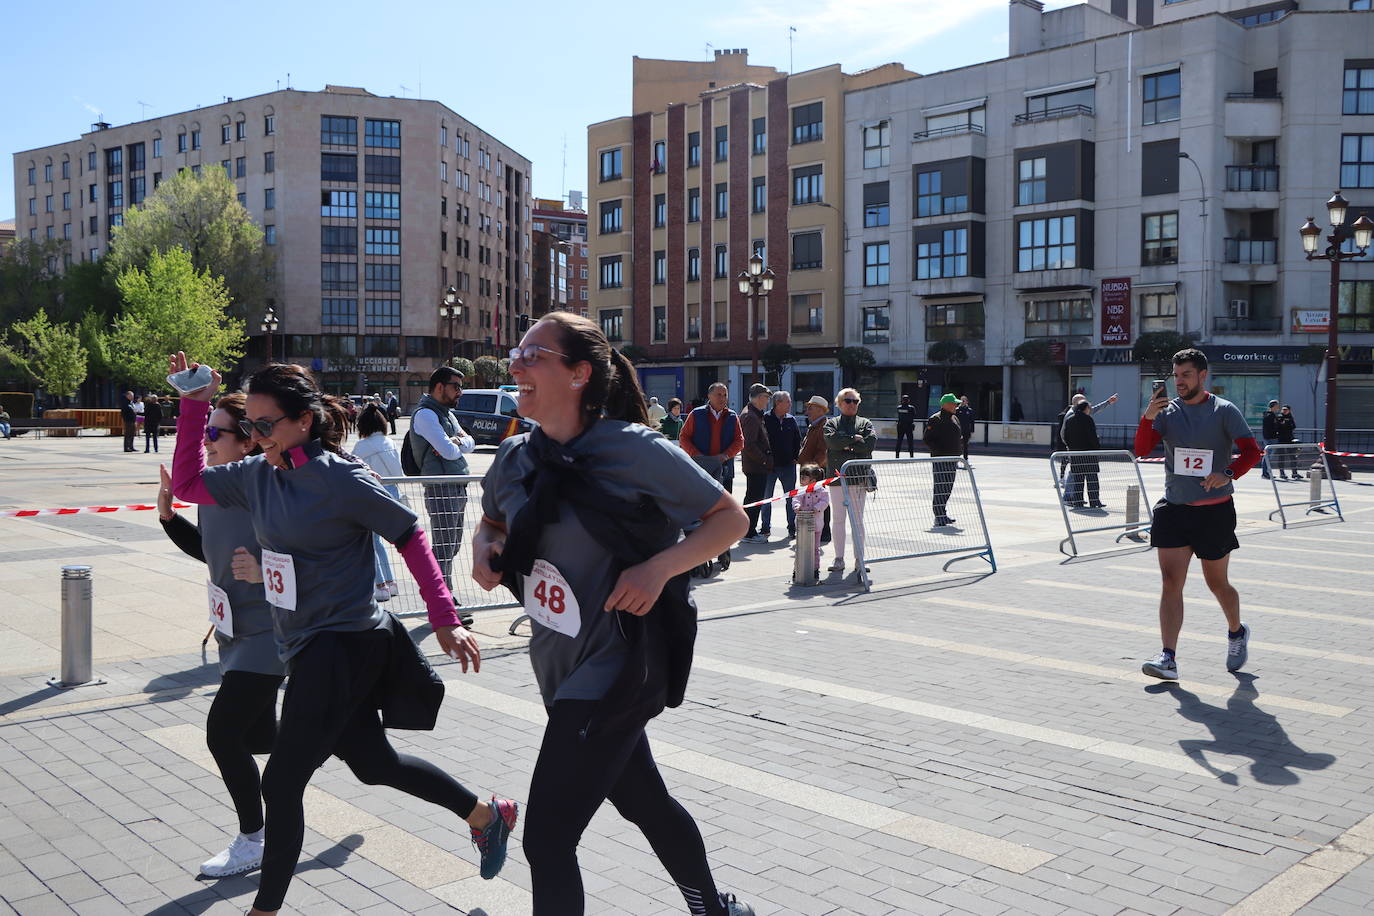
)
(721, 160)
(1128, 168)
(560, 255)
(373, 205)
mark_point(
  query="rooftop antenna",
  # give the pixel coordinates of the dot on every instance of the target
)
(143, 110)
(288, 79)
(709, 48)
(404, 90)
(564, 179)
(791, 40)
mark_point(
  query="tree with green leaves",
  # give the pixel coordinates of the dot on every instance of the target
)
(169, 306)
(947, 353)
(776, 357)
(51, 354)
(464, 365)
(1156, 349)
(200, 214)
(487, 369)
(853, 361)
(30, 281)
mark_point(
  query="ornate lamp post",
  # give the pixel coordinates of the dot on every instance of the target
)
(450, 309)
(755, 283)
(1361, 232)
(269, 327)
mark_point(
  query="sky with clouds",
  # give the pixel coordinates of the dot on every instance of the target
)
(535, 73)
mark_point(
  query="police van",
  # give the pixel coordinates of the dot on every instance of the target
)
(491, 415)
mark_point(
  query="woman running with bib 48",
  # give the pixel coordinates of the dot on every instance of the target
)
(581, 519)
(314, 514)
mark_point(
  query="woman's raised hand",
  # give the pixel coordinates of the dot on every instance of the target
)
(178, 362)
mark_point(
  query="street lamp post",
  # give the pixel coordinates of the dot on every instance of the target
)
(1362, 231)
(755, 283)
(269, 327)
(451, 308)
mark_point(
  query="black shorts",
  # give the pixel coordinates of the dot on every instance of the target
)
(1209, 530)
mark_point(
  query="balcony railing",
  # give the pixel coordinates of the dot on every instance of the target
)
(1252, 251)
(946, 131)
(1249, 96)
(1246, 325)
(1066, 111)
(1252, 178)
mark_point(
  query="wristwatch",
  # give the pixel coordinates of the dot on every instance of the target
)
(1228, 472)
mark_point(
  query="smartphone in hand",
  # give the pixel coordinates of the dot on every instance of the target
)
(1159, 387)
(189, 380)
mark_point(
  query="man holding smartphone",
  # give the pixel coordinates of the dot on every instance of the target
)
(1197, 516)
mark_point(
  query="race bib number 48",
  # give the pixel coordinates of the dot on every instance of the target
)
(221, 614)
(550, 601)
(1193, 462)
(279, 579)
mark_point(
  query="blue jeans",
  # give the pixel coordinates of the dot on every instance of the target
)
(787, 476)
(5, 430)
(383, 560)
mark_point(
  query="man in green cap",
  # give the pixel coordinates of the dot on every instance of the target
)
(945, 439)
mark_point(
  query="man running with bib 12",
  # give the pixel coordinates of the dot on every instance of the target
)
(1197, 516)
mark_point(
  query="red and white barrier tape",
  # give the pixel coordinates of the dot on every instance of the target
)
(790, 493)
(30, 513)
(1322, 446)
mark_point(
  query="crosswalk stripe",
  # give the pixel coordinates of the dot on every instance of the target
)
(1245, 605)
(1294, 887)
(970, 844)
(1061, 664)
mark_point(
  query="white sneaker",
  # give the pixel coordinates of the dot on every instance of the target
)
(837, 565)
(381, 593)
(244, 854)
(392, 588)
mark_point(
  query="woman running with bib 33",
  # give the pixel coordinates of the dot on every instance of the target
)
(314, 514)
(583, 518)
(243, 718)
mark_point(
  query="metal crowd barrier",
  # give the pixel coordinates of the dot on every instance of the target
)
(449, 509)
(1101, 485)
(893, 504)
(1284, 457)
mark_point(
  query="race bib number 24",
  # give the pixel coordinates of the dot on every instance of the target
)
(550, 601)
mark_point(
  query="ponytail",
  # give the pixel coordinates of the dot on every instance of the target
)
(624, 397)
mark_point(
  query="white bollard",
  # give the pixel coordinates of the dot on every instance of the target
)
(76, 629)
(804, 565)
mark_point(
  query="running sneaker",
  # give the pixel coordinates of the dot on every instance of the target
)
(1238, 649)
(491, 840)
(755, 539)
(244, 854)
(733, 907)
(392, 587)
(838, 565)
(1162, 666)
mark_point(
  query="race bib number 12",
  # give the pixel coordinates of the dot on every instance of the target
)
(1193, 462)
(279, 579)
(549, 599)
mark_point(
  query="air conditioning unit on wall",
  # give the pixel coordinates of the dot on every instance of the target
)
(1240, 308)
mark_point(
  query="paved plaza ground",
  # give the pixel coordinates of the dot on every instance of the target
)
(950, 742)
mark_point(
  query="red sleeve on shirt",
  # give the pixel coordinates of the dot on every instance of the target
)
(1146, 438)
(1249, 456)
(684, 435)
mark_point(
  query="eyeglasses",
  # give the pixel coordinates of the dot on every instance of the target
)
(529, 355)
(849, 400)
(263, 426)
(212, 433)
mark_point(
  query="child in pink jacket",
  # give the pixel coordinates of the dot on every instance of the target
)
(815, 501)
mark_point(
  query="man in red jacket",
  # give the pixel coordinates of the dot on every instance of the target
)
(1197, 516)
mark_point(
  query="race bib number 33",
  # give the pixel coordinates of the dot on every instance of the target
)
(1193, 462)
(279, 579)
(550, 601)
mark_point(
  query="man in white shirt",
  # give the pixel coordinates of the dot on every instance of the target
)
(656, 413)
(438, 443)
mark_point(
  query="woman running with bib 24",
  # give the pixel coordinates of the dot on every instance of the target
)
(582, 519)
(314, 514)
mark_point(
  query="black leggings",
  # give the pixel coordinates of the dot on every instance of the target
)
(573, 775)
(329, 709)
(243, 722)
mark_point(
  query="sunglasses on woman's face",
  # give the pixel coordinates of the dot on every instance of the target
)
(849, 400)
(212, 433)
(263, 426)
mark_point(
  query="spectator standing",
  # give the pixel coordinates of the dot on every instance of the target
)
(379, 453)
(130, 418)
(813, 448)
(393, 410)
(1197, 516)
(964, 413)
(5, 422)
(1269, 435)
(756, 459)
(849, 436)
(656, 413)
(785, 439)
(906, 426)
(671, 424)
(711, 435)
(1080, 435)
(945, 439)
(439, 443)
(152, 423)
(1286, 429)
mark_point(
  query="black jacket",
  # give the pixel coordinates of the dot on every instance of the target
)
(1269, 426)
(152, 416)
(1285, 429)
(906, 418)
(944, 436)
(965, 416)
(1080, 432)
(784, 436)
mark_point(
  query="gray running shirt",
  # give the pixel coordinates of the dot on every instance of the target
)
(323, 513)
(630, 461)
(1214, 424)
(253, 647)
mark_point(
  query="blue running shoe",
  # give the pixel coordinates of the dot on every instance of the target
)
(1238, 649)
(491, 840)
